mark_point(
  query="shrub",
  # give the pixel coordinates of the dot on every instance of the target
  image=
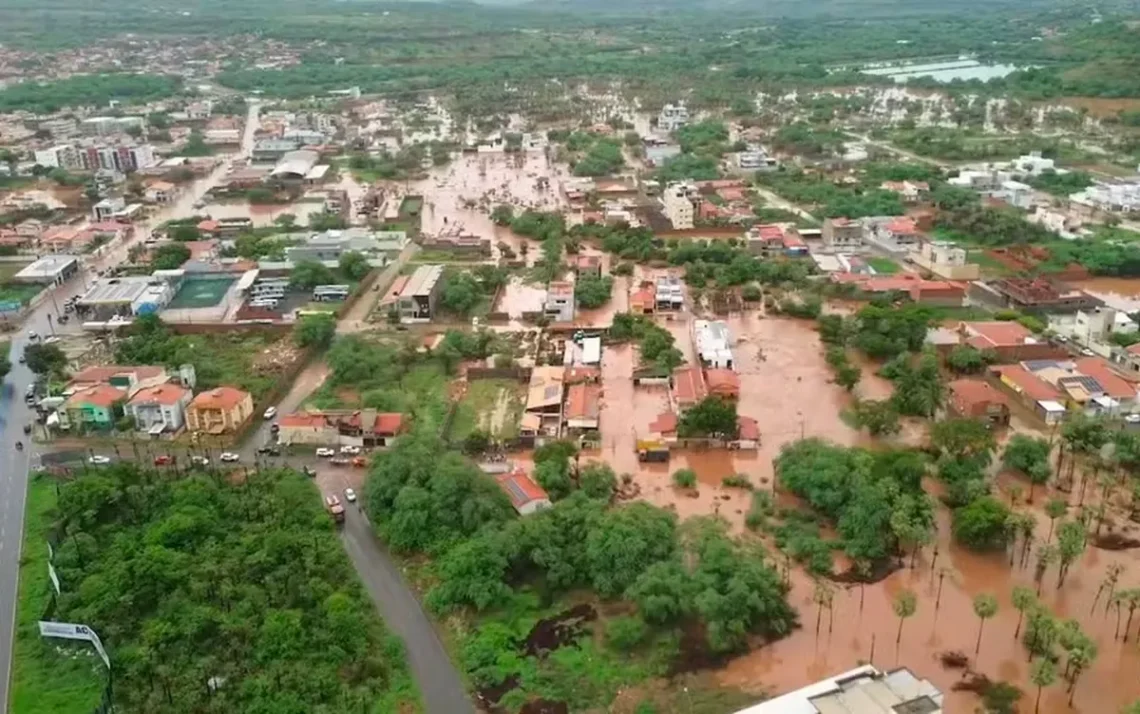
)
(737, 481)
(626, 633)
(981, 524)
(685, 478)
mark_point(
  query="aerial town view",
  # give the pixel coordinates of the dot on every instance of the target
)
(528, 357)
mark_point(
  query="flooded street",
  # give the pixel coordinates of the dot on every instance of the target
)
(1120, 293)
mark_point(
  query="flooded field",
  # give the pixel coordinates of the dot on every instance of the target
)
(1120, 293)
(261, 215)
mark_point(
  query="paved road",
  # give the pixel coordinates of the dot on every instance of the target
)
(443, 691)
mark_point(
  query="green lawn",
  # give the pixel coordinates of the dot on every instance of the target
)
(987, 263)
(48, 676)
(495, 405)
(882, 265)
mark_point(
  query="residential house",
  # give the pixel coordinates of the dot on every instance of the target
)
(526, 496)
(559, 303)
(899, 234)
(978, 399)
(543, 412)
(362, 427)
(308, 428)
(1033, 295)
(160, 408)
(747, 433)
(588, 266)
(1009, 341)
(669, 293)
(128, 379)
(418, 300)
(714, 343)
(1093, 328)
(842, 234)
(583, 406)
(723, 383)
(765, 240)
(160, 192)
(329, 246)
(108, 208)
(643, 300)
(92, 408)
(687, 388)
(931, 292)
(945, 260)
(1087, 384)
(909, 191)
(220, 410)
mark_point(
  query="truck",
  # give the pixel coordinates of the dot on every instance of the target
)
(335, 509)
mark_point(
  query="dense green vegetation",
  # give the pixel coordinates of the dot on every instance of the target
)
(426, 500)
(194, 579)
(87, 91)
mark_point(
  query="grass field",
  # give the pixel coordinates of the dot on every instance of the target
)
(201, 293)
(48, 676)
(492, 405)
(884, 266)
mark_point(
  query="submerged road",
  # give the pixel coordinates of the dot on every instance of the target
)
(442, 689)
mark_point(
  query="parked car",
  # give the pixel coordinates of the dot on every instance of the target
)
(350, 495)
(350, 449)
(33, 335)
(269, 449)
(274, 428)
(163, 460)
(98, 460)
(199, 461)
(360, 462)
(270, 412)
(325, 452)
(229, 457)
(338, 461)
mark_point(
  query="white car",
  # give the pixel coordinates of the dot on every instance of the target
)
(350, 449)
(325, 452)
(230, 457)
(33, 335)
(199, 461)
(1132, 418)
(350, 495)
(98, 460)
(270, 412)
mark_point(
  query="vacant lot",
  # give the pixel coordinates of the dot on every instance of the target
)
(493, 406)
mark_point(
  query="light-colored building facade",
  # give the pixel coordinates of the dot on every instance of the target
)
(863, 690)
(677, 205)
(221, 410)
(160, 408)
(418, 299)
(946, 260)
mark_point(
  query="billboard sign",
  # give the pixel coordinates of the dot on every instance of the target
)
(71, 631)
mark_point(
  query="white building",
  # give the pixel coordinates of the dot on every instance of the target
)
(677, 201)
(863, 690)
(108, 208)
(1016, 194)
(329, 246)
(672, 117)
(1033, 164)
(980, 180)
(559, 303)
(1123, 197)
(714, 343)
(101, 126)
(63, 156)
(670, 293)
(756, 159)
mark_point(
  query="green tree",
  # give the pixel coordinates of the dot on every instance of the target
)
(879, 418)
(1024, 600)
(965, 359)
(1071, 541)
(169, 256)
(985, 607)
(663, 592)
(981, 524)
(1054, 509)
(471, 574)
(461, 293)
(626, 541)
(503, 214)
(685, 478)
(354, 264)
(963, 438)
(45, 359)
(598, 481)
(712, 416)
(1030, 456)
(307, 274)
(315, 330)
(591, 292)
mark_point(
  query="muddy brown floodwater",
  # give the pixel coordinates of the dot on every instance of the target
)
(786, 386)
(1120, 293)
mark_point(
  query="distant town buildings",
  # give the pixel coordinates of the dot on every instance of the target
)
(672, 117)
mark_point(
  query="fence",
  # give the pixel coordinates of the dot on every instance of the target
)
(521, 374)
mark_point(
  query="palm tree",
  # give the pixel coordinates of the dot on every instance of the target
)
(822, 596)
(985, 607)
(1055, 508)
(1132, 601)
(905, 605)
(1042, 675)
(1046, 556)
(1023, 600)
(1108, 584)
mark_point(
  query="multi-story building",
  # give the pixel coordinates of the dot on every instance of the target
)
(419, 296)
(677, 201)
(669, 293)
(63, 156)
(946, 260)
(672, 117)
(559, 305)
(102, 126)
(160, 408)
(841, 234)
(219, 411)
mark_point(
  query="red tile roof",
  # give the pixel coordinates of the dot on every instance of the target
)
(224, 398)
(749, 428)
(903, 226)
(574, 375)
(967, 395)
(388, 424)
(1026, 383)
(582, 401)
(664, 423)
(688, 386)
(521, 488)
(168, 394)
(723, 382)
(302, 420)
(643, 298)
(100, 395)
(997, 333)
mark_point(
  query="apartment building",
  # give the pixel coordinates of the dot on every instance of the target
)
(677, 201)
